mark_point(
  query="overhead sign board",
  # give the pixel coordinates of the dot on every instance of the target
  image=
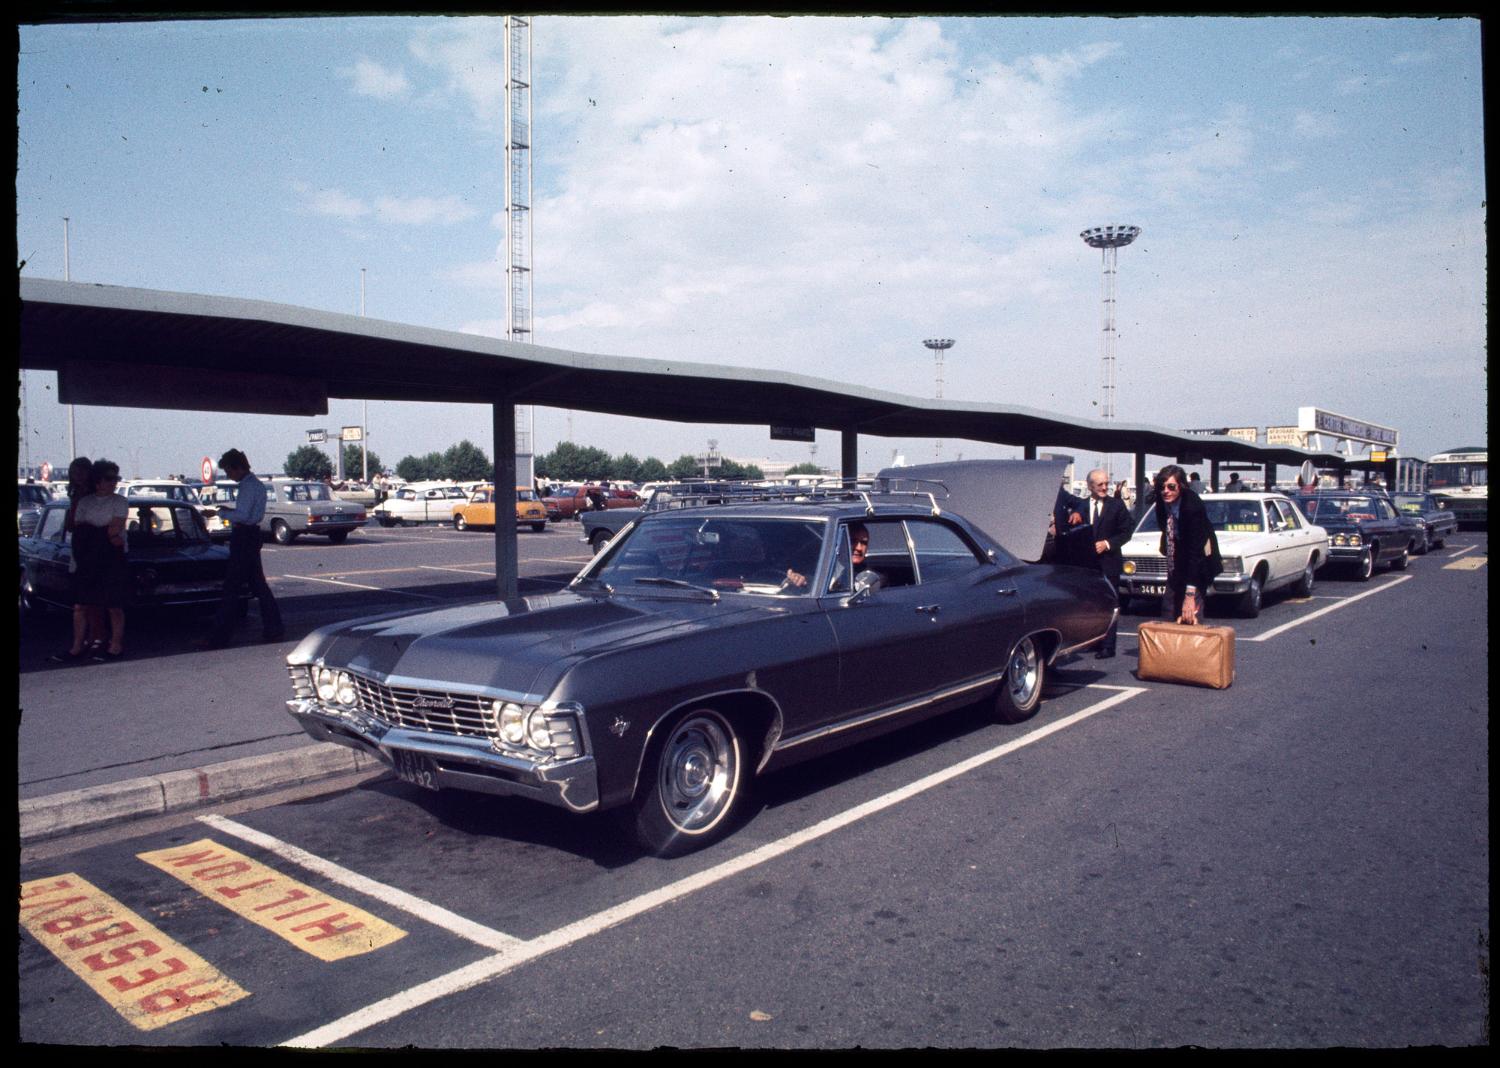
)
(1286, 435)
(1244, 433)
(794, 433)
(352, 433)
(1377, 456)
(317, 437)
(1220, 430)
(1317, 421)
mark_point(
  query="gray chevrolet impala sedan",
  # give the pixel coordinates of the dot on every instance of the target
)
(706, 646)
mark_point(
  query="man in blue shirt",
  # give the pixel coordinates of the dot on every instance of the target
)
(244, 557)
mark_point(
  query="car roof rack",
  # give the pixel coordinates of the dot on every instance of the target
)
(867, 490)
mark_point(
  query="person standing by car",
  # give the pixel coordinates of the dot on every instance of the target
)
(1110, 528)
(102, 580)
(88, 620)
(244, 557)
(1188, 542)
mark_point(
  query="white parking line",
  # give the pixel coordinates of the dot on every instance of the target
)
(508, 960)
(359, 586)
(461, 570)
(423, 910)
(1465, 549)
(1392, 584)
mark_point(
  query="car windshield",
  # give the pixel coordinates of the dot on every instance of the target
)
(1409, 505)
(30, 495)
(1236, 517)
(1338, 509)
(761, 556)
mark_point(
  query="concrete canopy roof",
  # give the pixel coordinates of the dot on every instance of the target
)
(81, 330)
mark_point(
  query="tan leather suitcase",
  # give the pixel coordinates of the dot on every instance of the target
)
(1176, 652)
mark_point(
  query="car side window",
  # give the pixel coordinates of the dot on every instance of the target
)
(940, 550)
(1274, 517)
(1289, 513)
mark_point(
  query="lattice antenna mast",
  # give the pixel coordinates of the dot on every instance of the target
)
(517, 34)
(1111, 239)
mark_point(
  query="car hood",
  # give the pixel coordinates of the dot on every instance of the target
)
(510, 646)
(1010, 500)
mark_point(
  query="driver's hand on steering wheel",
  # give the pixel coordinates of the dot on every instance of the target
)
(794, 578)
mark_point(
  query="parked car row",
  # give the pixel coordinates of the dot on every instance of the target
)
(1273, 541)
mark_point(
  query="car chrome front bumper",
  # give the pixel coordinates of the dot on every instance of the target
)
(454, 761)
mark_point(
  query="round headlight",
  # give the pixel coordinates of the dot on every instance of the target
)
(324, 681)
(1129, 567)
(537, 734)
(513, 724)
(345, 690)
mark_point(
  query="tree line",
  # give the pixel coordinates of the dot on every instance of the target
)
(467, 462)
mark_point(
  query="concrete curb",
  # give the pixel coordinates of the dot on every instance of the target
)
(175, 791)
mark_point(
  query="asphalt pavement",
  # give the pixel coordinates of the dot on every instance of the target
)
(171, 729)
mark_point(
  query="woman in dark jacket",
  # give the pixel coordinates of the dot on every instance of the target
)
(1187, 541)
(88, 620)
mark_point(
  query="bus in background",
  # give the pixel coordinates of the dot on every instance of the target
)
(1460, 480)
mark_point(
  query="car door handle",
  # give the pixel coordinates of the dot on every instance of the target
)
(929, 609)
(1007, 591)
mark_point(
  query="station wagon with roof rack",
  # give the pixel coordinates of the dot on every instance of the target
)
(707, 646)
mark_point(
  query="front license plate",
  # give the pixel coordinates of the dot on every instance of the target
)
(1151, 587)
(415, 769)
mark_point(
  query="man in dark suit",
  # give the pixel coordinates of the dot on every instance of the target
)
(1102, 525)
(1188, 542)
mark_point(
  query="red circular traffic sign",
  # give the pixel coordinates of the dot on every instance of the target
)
(208, 470)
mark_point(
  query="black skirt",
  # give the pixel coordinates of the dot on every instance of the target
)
(103, 577)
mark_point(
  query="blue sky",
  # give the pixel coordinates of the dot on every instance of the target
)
(807, 194)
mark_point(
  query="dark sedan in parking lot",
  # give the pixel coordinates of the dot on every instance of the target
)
(706, 646)
(1364, 531)
(1437, 522)
(172, 560)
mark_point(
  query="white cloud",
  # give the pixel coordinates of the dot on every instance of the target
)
(418, 211)
(468, 55)
(1314, 124)
(403, 211)
(368, 78)
(332, 202)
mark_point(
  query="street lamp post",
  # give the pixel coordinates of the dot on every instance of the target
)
(939, 345)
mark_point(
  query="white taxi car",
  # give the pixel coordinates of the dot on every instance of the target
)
(420, 502)
(1265, 540)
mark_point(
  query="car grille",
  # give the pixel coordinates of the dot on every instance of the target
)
(436, 711)
(1150, 566)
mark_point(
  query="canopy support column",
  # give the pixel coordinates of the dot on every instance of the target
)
(507, 550)
(849, 453)
(1270, 482)
(1213, 476)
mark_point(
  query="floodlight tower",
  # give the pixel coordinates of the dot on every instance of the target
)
(517, 34)
(1111, 239)
(939, 345)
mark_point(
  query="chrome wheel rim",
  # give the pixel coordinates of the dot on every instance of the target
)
(698, 774)
(1024, 674)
